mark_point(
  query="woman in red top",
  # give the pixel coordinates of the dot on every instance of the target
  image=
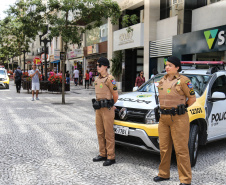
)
(87, 79)
(140, 79)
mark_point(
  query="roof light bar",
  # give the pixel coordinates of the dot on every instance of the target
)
(204, 62)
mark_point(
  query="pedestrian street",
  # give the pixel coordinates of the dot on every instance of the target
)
(43, 142)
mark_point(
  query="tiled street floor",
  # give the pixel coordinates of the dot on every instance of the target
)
(45, 142)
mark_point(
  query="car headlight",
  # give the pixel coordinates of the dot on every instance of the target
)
(150, 117)
(4, 79)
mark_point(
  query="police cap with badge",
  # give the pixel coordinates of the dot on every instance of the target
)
(103, 61)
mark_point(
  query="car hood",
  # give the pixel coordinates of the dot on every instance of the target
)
(138, 100)
(2, 76)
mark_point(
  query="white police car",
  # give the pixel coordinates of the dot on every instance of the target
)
(4, 78)
(135, 123)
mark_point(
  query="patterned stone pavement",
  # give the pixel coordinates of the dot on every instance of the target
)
(46, 143)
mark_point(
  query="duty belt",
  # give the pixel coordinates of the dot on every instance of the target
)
(102, 103)
(181, 109)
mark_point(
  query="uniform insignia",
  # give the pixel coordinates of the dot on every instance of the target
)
(113, 82)
(178, 82)
(101, 85)
(160, 88)
(168, 90)
(188, 81)
(95, 83)
(114, 87)
(190, 85)
(192, 92)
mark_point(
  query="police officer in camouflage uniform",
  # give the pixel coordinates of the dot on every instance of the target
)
(175, 94)
(106, 96)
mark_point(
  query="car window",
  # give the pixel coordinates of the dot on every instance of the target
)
(199, 83)
(219, 85)
(2, 72)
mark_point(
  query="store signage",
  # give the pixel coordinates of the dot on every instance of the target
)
(51, 58)
(89, 50)
(76, 53)
(37, 60)
(125, 40)
(210, 36)
(95, 48)
(56, 54)
(92, 49)
(209, 40)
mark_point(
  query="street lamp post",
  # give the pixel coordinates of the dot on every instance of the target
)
(45, 41)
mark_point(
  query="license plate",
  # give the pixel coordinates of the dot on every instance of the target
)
(121, 130)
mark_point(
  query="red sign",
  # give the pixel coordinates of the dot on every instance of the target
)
(37, 60)
(43, 57)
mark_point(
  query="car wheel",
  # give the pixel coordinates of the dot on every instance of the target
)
(7, 86)
(193, 144)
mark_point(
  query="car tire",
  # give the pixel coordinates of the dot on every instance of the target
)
(193, 144)
(7, 86)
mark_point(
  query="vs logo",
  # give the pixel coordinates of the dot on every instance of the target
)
(210, 36)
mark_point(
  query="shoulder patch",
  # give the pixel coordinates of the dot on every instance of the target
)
(187, 81)
(192, 92)
(114, 87)
(190, 85)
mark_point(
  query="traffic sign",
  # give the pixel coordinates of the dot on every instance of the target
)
(43, 57)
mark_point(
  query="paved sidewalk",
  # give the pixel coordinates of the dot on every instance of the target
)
(47, 143)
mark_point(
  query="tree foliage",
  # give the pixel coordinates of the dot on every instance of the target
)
(20, 27)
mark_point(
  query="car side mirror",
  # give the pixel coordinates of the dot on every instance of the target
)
(217, 96)
(135, 89)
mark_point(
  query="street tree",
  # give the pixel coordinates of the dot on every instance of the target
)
(21, 25)
(70, 18)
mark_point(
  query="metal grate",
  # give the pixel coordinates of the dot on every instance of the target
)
(133, 115)
(161, 48)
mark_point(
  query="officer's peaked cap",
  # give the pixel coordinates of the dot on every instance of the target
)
(104, 61)
(175, 61)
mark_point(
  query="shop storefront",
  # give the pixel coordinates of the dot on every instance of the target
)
(92, 54)
(75, 60)
(132, 46)
(203, 45)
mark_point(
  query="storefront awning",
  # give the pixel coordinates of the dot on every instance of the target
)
(55, 61)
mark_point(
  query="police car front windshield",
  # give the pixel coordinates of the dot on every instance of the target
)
(199, 83)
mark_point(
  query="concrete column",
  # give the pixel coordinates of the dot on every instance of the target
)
(111, 29)
(151, 16)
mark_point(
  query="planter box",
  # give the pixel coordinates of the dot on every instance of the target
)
(26, 85)
(58, 87)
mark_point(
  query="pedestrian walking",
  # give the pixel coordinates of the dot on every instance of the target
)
(140, 79)
(90, 77)
(35, 81)
(106, 96)
(154, 72)
(17, 78)
(87, 79)
(175, 94)
(52, 73)
(76, 76)
(67, 77)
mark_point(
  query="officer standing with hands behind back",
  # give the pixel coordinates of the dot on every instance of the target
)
(106, 96)
(175, 95)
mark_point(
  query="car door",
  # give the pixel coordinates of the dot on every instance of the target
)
(216, 110)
